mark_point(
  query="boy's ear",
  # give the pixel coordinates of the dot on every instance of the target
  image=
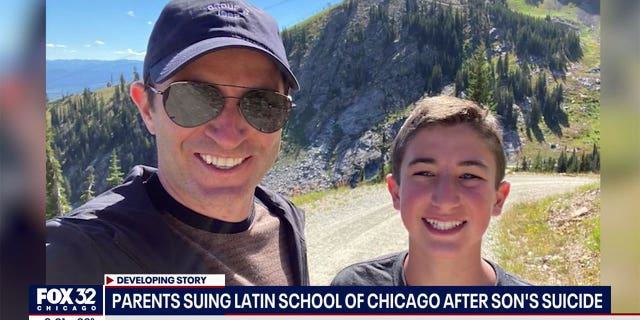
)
(139, 97)
(394, 190)
(501, 197)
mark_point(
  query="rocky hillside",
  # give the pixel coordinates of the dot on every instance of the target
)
(362, 65)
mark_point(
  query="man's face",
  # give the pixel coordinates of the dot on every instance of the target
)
(220, 162)
(447, 192)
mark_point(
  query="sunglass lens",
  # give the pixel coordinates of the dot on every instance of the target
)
(264, 110)
(191, 104)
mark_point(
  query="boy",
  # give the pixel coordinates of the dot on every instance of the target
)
(447, 169)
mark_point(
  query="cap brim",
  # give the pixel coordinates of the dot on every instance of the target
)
(170, 65)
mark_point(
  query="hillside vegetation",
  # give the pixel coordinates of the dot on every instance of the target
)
(362, 65)
(554, 241)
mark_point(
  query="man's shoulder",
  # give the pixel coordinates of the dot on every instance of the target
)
(125, 209)
(107, 228)
(131, 195)
(274, 199)
(279, 205)
(381, 271)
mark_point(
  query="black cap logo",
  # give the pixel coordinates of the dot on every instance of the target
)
(227, 9)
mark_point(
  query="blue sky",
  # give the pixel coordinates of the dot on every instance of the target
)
(119, 29)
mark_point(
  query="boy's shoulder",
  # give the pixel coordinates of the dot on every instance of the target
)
(504, 278)
(382, 271)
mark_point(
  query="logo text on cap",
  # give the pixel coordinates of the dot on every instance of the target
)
(230, 10)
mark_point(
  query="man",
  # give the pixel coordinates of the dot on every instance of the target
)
(215, 96)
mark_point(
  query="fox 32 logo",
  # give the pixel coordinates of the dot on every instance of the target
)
(65, 300)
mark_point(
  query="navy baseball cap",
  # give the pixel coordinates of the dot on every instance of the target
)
(189, 29)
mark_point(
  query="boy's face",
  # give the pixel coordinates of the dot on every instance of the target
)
(447, 193)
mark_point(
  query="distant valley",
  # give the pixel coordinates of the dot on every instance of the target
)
(67, 77)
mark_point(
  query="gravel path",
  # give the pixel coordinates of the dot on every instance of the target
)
(360, 223)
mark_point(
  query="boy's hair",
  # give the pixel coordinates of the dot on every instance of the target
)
(449, 111)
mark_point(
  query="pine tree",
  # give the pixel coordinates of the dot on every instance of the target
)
(562, 162)
(585, 163)
(136, 75)
(540, 88)
(595, 159)
(535, 115)
(116, 94)
(525, 164)
(462, 78)
(480, 79)
(572, 164)
(573, 49)
(499, 68)
(550, 165)
(505, 64)
(537, 165)
(89, 183)
(435, 81)
(56, 198)
(115, 174)
(122, 84)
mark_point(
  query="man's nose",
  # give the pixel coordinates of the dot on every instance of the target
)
(229, 129)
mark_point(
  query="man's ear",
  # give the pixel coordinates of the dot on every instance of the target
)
(501, 197)
(394, 190)
(139, 97)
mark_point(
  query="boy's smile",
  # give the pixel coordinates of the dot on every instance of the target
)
(447, 193)
(443, 226)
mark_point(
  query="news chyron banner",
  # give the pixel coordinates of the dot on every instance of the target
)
(121, 296)
(188, 296)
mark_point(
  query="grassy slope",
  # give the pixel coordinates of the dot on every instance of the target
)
(561, 235)
(581, 104)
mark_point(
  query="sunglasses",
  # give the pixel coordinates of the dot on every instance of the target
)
(190, 104)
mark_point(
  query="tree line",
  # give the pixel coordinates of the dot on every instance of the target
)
(566, 162)
(494, 55)
(90, 137)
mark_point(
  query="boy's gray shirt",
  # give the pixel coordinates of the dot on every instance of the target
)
(387, 271)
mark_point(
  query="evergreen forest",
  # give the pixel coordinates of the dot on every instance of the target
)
(515, 64)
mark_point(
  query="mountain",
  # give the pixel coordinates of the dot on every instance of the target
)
(362, 65)
(66, 77)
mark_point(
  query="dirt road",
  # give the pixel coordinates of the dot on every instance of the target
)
(361, 223)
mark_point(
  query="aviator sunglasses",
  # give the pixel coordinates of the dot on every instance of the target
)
(190, 104)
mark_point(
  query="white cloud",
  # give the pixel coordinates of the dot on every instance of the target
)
(54, 45)
(149, 23)
(100, 43)
(87, 46)
(130, 13)
(130, 52)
